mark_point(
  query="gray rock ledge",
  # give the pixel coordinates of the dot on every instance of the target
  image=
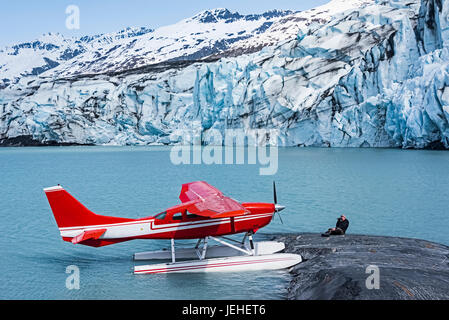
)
(335, 267)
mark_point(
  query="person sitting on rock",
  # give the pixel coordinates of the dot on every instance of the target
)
(340, 227)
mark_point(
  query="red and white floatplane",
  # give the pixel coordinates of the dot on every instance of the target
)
(204, 214)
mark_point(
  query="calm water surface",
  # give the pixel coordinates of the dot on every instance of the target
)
(383, 192)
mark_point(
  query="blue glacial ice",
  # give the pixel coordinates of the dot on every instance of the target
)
(373, 75)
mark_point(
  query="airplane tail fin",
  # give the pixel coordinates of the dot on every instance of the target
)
(69, 212)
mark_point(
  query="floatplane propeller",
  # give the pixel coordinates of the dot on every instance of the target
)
(204, 214)
(277, 207)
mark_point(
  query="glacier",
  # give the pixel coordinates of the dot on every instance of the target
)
(351, 73)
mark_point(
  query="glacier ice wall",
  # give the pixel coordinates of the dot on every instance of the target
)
(375, 75)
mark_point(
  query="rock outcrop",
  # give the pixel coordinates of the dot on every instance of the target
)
(336, 267)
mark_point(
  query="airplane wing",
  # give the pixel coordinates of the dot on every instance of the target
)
(89, 234)
(208, 201)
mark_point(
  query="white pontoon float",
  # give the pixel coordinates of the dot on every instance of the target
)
(244, 256)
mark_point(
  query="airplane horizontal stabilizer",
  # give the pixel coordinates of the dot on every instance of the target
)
(89, 234)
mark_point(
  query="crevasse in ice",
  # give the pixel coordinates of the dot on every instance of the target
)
(354, 73)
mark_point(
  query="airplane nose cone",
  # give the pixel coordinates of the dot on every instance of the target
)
(278, 207)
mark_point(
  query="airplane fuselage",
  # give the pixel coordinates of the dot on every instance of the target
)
(176, 223)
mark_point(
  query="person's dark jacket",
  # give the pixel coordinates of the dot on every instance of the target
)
(342, 224)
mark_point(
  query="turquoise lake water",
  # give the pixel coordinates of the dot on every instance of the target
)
(382, 191)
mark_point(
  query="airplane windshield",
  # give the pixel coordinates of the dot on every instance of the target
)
(161, 216)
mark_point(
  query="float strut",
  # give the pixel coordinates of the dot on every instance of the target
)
(231, 245)
(251, 243)
(173, 259)
(198, 243)
(203, 254)
(244, 238)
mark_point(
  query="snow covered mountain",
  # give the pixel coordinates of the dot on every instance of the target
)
(207, 33)
(358, 73)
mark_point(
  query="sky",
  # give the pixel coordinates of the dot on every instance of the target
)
(24, 20)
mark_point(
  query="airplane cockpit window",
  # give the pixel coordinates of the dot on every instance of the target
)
(191, 215)
(161, 216)
(177, 216)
